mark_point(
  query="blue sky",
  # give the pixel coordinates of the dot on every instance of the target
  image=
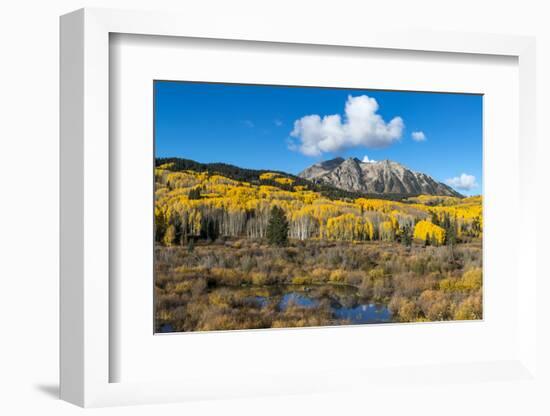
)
(266, 127)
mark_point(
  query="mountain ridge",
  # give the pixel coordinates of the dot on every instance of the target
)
(314, 182)
(379, 178)
(254, 175)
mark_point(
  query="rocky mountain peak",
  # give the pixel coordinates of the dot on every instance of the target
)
(384, 177)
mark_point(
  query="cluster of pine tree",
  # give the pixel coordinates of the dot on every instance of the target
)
(194, 194)
(277, 227)
(450, 225)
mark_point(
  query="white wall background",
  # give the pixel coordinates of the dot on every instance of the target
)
(29, 205)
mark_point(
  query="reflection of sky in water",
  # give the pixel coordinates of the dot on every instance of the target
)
(297, 299)
(368, 313)
(364, 314)
(357, 314)
(166, 328)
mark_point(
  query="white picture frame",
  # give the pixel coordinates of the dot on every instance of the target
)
(86, 353)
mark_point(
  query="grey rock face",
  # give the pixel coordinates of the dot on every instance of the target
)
(385, 177)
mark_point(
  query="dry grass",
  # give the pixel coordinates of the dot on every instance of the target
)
(195, 290)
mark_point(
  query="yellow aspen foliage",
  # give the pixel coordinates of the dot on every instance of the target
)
(425, 228)
(236, 208)
(376, 204)
(166, 166)
(268, 175)
(195, 222)
(368, 228)
(435, 200)
(348, 227)
(284, 181)
(170, 235)
(386, 230)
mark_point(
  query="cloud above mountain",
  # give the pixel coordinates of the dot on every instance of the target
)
(463, 182)
(418, 136)
(361, 125)
(367, 160)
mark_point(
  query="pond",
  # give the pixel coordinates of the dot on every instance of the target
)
(345, 304)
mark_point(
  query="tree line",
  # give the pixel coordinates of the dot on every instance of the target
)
(259, 177)
(198, 205)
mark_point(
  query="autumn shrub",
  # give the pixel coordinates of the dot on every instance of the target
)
(471, 280)
(354, 277)
(418, 265)
(320, 274)
(289, 253)
(376, 284)
(405, 310)
(167, 301)
(259, 278)
(471, 255)
(209, 261)
(435, 305)
(207, 289)
(381, 289)
(408, 311)
(181, 287)
(338, 276)
(221, 298)
(470, 308)
(165, 315)
(247, 263)
(185, 272)
(366, 289)
(334, 258)
(377, 273)
(410, 286)
(198, 287)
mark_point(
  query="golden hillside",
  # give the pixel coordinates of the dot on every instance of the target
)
(191, 204)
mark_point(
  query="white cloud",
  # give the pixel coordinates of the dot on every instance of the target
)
(367, 160)
(292, 145)
(418, 136)
(463, 182)
(278, 122)
(248, 123)
(362, 126)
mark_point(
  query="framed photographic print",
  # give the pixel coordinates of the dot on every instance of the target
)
(270, 215)
(286, 213)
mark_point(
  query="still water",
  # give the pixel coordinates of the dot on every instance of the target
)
(349, 307)
(345, 303)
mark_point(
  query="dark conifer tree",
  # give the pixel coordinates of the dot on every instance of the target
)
(406, 235)
(195, 193)
(277, 227)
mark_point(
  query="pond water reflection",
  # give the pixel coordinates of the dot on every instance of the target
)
(343, 303)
